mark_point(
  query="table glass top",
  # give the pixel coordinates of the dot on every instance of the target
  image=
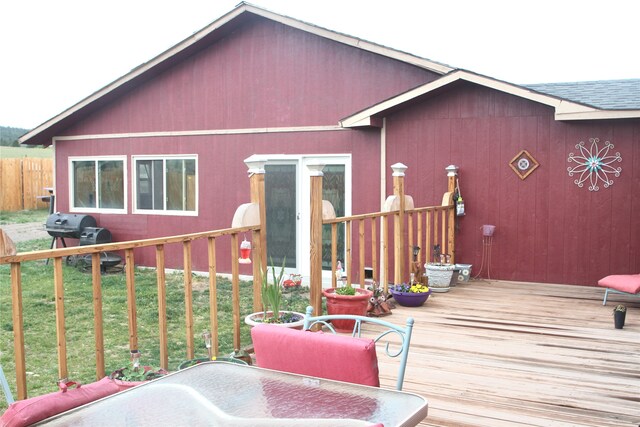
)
(230, 394)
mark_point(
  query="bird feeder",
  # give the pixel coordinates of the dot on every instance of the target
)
(245, 252)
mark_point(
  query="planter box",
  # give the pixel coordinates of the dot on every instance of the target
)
(464, 272)
(440, 276)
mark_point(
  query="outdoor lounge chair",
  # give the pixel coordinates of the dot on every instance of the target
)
(330, 355)
(626, 284)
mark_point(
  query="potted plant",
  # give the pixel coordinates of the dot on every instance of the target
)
(346, 300)
(410, 295)
(440, 271)
(135, 374)
(619, 314)
(206, 336)
(271, 293)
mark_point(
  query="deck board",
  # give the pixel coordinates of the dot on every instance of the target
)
(495, 353)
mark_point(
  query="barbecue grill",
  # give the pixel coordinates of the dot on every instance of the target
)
(94, 236)
(68, 225)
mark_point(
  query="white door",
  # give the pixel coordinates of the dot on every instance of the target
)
(288, 200)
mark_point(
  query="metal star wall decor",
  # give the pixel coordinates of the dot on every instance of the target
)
(594, 164)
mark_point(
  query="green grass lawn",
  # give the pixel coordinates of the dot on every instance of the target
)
(40, 327)
(37, 152)
(21, 217)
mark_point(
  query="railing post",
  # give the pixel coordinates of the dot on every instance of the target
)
(188, 298)
(18, 330)
(98, 325)
(162, 306)
(259, 238)
(131, 298)
(452, 176)
(63, 371)
(315, 287)
(399, 227)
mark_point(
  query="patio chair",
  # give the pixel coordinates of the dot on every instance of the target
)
(330, 355)
(5, 387)
(625, 284)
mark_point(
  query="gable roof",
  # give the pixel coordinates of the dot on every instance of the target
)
(565, 107)
(242, 14)
(604, 94)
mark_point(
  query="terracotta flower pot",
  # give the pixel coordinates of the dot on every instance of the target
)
(347, 304)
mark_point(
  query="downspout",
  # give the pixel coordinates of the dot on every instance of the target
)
(383, 161)
(383, 189)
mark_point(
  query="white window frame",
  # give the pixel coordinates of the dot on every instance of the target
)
(164, 158)
(97, 159)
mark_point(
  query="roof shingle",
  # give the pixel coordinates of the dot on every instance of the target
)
(602, 94)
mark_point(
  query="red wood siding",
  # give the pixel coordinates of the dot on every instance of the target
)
(223, 182)
(263, 75)
(548, 229)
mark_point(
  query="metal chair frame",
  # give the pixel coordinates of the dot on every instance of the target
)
(404, 332)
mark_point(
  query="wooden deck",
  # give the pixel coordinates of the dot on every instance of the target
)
(493, 353)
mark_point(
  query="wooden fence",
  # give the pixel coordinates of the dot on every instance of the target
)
(22, 181)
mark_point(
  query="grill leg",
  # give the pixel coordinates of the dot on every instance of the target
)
(51, 247)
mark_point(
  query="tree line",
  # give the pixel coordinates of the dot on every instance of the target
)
(9, 136)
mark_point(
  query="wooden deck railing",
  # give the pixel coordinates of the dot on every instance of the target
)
(59, 255)
(431, 225)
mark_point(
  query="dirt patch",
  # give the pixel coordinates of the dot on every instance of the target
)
(26, 231)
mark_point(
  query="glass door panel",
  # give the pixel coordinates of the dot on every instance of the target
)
(333, 190)
(281, 202)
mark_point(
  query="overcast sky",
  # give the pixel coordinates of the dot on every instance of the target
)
(55, 53)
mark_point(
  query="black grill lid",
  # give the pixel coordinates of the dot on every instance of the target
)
(68, 225)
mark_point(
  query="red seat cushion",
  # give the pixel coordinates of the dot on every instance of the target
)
(629, 283)
(26, 412)
(335, 357)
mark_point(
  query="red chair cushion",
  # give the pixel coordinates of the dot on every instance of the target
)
(335, 357)
(629, 283)
(30, 411)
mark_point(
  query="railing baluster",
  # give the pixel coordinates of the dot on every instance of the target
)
(435, 229)
(385, 253)
(374, 249)
(348, 263)
(60, 330)
(361, 250)
(161, 282)
(188, 298)
(443, 232)
(334, 253)
(411, 239)
(213, 295)
(96, 280)
(131, 298)
(419, 237)
(235, 285)
(18, 330)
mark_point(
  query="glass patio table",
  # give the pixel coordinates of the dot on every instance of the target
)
(228, 394)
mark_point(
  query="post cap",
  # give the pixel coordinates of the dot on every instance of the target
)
(452, 170)
(255, 163)
(315, 168)
(398, 169)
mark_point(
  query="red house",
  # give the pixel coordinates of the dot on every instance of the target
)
(160, 150)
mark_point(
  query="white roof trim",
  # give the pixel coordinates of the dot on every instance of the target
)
(564, 109)
(243, 7)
